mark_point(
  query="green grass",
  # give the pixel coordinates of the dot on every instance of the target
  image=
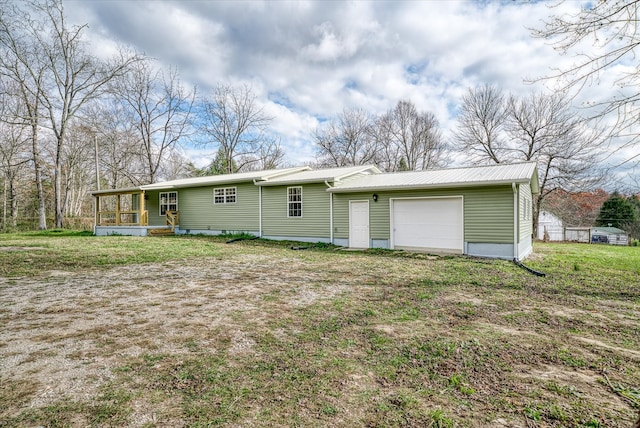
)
(196, 332)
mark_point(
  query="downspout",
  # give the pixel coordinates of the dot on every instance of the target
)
(330, 212)
(515, 221)
(259, 208)
(516, 217)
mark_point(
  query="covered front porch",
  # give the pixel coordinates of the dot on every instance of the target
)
(124, 212)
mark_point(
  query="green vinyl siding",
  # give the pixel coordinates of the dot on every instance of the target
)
(315, 221)
(488, 212)
(488, 215)
(378, 214)
(198, 212)
(152, 205)
(526, 211)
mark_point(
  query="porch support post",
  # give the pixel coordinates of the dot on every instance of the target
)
(142, 208)
(96, 214)
(117, 210)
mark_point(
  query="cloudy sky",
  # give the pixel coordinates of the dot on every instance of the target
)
(308, 60)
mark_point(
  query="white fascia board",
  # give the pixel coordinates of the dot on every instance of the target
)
(160, 186)
(285, 172)
(374, 169)
(221, 180)
(293, 181)
(347, 189)
(122, 191)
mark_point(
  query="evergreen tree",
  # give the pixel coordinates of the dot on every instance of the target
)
(633, 227)
(403, 165)
(219, 165)
(616, 211)
(635, 201)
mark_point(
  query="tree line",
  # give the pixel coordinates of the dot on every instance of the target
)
(71, 121)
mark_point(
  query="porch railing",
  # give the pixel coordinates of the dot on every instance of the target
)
(123, 218)
(172, 218)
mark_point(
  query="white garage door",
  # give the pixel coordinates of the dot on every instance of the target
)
(428, 224)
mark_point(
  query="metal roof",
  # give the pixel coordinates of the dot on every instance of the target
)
(224, 178)
(608, 229)
(362, 178)
(321, 175)
(442, 178)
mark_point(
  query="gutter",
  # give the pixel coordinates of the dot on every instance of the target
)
(293, 182)
(259, 207)
(326, 182)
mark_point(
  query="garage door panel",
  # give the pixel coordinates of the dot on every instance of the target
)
(429, 224)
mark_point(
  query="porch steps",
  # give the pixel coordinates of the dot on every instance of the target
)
(160, 232)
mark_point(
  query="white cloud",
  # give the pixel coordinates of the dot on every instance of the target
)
(309, 60)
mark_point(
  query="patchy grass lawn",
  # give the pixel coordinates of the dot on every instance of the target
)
(190, 331)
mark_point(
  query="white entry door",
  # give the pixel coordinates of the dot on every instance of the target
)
(359, 224)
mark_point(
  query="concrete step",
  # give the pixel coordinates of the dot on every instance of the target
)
(160, 232)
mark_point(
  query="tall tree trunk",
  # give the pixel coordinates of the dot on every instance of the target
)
(57, 189)
(13, 201)
(4, 204)
(42, 215)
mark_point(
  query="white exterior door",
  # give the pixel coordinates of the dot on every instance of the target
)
(358, 224)
(428, 224)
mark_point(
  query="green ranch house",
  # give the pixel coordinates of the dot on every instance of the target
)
(480, 211)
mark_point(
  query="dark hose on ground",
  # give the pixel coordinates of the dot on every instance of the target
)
(241, 239)
(528, 269)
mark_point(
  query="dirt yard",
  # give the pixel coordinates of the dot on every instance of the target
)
(63, 332)
(523, 357)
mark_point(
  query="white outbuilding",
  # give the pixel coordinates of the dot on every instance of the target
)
(550, 227)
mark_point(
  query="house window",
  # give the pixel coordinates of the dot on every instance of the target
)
(294, 201)
(224, 195)
(168, 202)
(527, 209)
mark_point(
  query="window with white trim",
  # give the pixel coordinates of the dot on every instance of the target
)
(224, 195)
(294, 201)
(527, 209)
(168, 202)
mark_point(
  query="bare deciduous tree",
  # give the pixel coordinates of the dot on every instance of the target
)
(77, 169)
(346, 140)
(270, 155)
(602, 36)
(479, 133)
(23, 68)
(160, 107)
(116, 138)
(414, 139)
(176, 165)
(543, 128)
(400, 139)
(14, 155)
(65, 76)
(236, 126)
